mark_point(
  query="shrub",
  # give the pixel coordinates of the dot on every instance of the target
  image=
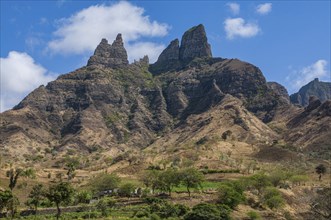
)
(83, 197)
(126, 190)
(272, 198)
(209, 171)
(259, 182)
(253, 215)
(104, 206)
(204, 211)
(298, 179)
(141, 213)
(277, 177)
(164, 209)
(182, 209)
(105, 182)
(154, 216)
(225, 211)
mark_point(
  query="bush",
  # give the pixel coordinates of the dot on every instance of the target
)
(298, 179)
(253, 215)
(182, 209)
(204, 211)
(151, 200)
(154, 216)
(229, 196)
(83, 197)
(164, 209)
(225, 211)
(105, 182)
(259, 182)
(209, 171)
(126, 190)
(104, 205)
(272, 198)
(142, 213)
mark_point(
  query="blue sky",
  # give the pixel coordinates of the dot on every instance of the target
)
(288, 41)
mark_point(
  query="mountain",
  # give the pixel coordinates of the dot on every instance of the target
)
(310, 129)
(322, 90)
(111, 107)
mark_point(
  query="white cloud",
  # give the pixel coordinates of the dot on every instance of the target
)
(82, 32)
(264, 9)
(234, 7)
(238, 27)
(19, 76)
(299, 78)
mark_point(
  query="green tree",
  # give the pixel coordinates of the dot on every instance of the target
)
(126, 190)
(35, 197)
(191, 178)
(83, 196)
(105, 182)
(227, 195)
(169, 179)
(8, 202)
(14, 174)
(60, 193)
(320, 170)
(71, 166)
(151, 179)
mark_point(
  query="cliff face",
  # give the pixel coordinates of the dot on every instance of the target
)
(113, 106)
(322, 90)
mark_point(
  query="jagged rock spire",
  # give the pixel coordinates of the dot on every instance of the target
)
(171, 52)
(194, 44)
(107, 55)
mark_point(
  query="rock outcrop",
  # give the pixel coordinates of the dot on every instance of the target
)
(106, 55)
(322, 90)
(194, 44)
(279, 90)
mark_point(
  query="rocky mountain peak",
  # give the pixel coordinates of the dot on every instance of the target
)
(194, 44)
(118, 41)
(322, 90)
(106, 55)
(171, 52)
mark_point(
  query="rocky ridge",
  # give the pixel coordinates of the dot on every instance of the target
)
(112, 56)
(112, 106)
(322, 90)
(194, 44)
